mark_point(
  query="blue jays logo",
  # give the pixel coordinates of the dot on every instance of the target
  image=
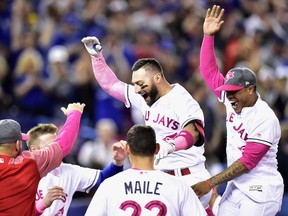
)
(229, 75)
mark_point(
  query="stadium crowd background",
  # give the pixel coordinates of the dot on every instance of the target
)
(43, 64)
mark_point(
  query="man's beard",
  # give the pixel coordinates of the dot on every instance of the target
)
(153, 94)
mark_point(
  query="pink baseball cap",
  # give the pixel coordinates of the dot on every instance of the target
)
(10, 131)
(237, 79)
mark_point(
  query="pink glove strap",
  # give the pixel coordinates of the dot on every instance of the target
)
(183, 140)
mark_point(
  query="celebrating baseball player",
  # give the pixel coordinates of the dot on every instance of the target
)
(168, 108)
(255, 187)
(21, 171)
(141, 190)
(67, 178)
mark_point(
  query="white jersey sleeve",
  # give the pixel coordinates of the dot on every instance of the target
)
(137, 192)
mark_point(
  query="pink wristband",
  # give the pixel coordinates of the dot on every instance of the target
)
(40, 207)
(183, 140)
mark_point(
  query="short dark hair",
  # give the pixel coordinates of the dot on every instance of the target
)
(148, 64)
(141, 140)
(39, 130)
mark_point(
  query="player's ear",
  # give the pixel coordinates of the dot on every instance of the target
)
(18, 145)
(157, 77)
(33, 148)
(127, 149)
(157, 148)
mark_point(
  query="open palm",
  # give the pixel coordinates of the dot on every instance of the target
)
(213, 22)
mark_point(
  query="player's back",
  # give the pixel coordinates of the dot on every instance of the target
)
(140, 192)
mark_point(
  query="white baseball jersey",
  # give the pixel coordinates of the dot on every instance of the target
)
(255, 124)
(141, 192)
(168, 116)
(71, 178)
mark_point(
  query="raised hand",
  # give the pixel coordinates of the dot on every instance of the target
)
(92, 45)
(73, 106)
(119, 153)
(213, 22)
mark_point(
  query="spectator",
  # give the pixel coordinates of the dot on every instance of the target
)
(97, 153)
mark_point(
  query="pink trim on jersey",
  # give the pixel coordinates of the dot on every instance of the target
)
(107, 79)
(253, 153)
(39, 207)
(208, 65)
(183, 140)
(68, 132)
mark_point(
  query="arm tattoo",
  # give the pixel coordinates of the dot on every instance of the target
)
(236, 169)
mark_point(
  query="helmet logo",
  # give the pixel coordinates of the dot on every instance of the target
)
(229, 75)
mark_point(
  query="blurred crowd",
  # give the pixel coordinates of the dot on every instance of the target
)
(43, 64)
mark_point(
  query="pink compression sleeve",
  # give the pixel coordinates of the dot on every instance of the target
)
(183, 140)
(68, 132)
(39, 207)
(107, 79)
(208, 65)
(253, 153)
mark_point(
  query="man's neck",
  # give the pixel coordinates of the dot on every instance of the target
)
(142, 163)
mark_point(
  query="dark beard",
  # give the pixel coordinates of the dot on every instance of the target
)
(153, 94)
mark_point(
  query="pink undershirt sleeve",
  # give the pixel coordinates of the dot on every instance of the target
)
(208, 65)
(50, 157)
(107, 78)
(39, 207)
(253, 153)
(69, 132)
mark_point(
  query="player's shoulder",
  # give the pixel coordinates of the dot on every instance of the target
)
(68, 168)
(264, 111)
(180, 93)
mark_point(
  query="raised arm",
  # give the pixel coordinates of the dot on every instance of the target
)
(51, 156)
(208, 65)
(103, 74)
(69, 131)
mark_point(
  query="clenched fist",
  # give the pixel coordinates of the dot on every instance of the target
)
(92, 45)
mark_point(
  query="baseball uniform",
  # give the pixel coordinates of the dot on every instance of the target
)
(71, 178)
(255, 124)
(167, 116)
(143, 192)
(20, 176)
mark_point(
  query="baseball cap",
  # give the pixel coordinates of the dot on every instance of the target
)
(10, 131)
(237, 79)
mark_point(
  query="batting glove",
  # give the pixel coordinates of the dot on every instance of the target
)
(92, 45)
(165, 149)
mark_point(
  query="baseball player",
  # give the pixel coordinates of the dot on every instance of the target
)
(255, 187)
(70, 178)
(141, 190)
(21, 171)
(168, 108)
